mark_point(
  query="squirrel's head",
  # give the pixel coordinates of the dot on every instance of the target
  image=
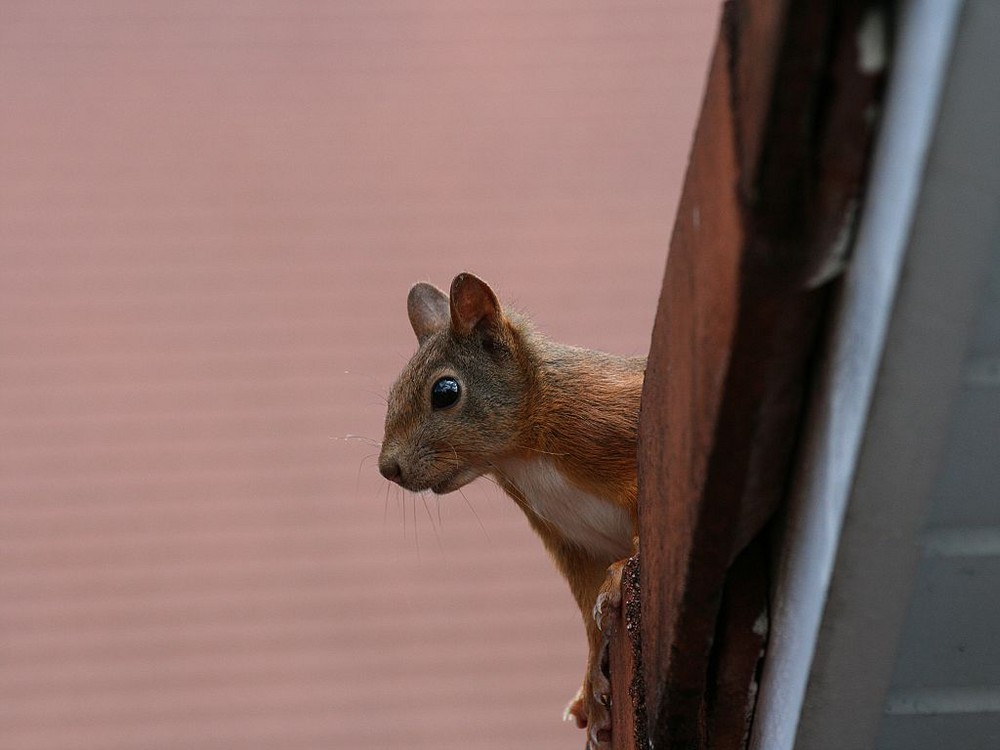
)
(458, 405)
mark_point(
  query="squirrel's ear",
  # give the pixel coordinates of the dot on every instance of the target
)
(473, 305)
(427, 307)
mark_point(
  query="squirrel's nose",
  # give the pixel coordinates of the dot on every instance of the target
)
(389, 468)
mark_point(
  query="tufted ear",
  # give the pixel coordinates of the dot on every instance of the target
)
(473, 305)
(427, 307)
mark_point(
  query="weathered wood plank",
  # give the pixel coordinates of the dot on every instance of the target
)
(774, 181)
(685, 382)
(627, 714)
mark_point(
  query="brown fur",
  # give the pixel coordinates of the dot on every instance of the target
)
(523, 397)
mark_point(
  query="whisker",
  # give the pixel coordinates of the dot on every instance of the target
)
(445, 458)
(478, 519)
(416, 536)
(535, 510)
(387, 485)
(361, 466)
(423, 499)
(401, 504)
(490, 478)
(496, 469)
(384, 398)
(360, 438)
(539, 450)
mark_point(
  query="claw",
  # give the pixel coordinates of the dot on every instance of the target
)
(610, 595)
(599, 738)
(602, 695)
(607, 603)
(598, 613)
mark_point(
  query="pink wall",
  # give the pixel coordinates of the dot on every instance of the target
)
(210, 213)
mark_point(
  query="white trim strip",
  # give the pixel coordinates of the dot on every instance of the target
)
(973, 541)
(983, 372)
(948, 700)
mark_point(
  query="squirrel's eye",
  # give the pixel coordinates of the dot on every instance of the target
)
(444, 393)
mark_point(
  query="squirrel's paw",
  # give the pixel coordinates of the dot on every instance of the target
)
(609, 597)
(576, 711)
(590, 709)
(592, 706)
(599, 710)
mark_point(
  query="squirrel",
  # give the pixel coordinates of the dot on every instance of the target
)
(556, 428)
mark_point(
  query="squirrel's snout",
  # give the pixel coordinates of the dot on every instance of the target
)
(390, 469)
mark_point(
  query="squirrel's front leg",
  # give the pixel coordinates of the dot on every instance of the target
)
(591, 706)
(609, 597)
(596, 589)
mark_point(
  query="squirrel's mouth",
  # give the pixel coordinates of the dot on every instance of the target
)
(455, 482)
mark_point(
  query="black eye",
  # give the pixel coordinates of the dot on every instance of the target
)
(444, 393)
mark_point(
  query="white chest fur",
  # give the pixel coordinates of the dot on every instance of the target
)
(594, 524)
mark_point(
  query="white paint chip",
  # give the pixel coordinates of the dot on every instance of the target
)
(761, 624)
(836, 259)
(872, 43)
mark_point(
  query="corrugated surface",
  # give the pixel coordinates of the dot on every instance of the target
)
(945, 687)
(209, 216)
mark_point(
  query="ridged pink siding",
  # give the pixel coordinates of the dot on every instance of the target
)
(210, 213)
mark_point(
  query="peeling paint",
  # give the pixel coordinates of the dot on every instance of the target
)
(871, 41)
(761, 624)
(836, 258)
